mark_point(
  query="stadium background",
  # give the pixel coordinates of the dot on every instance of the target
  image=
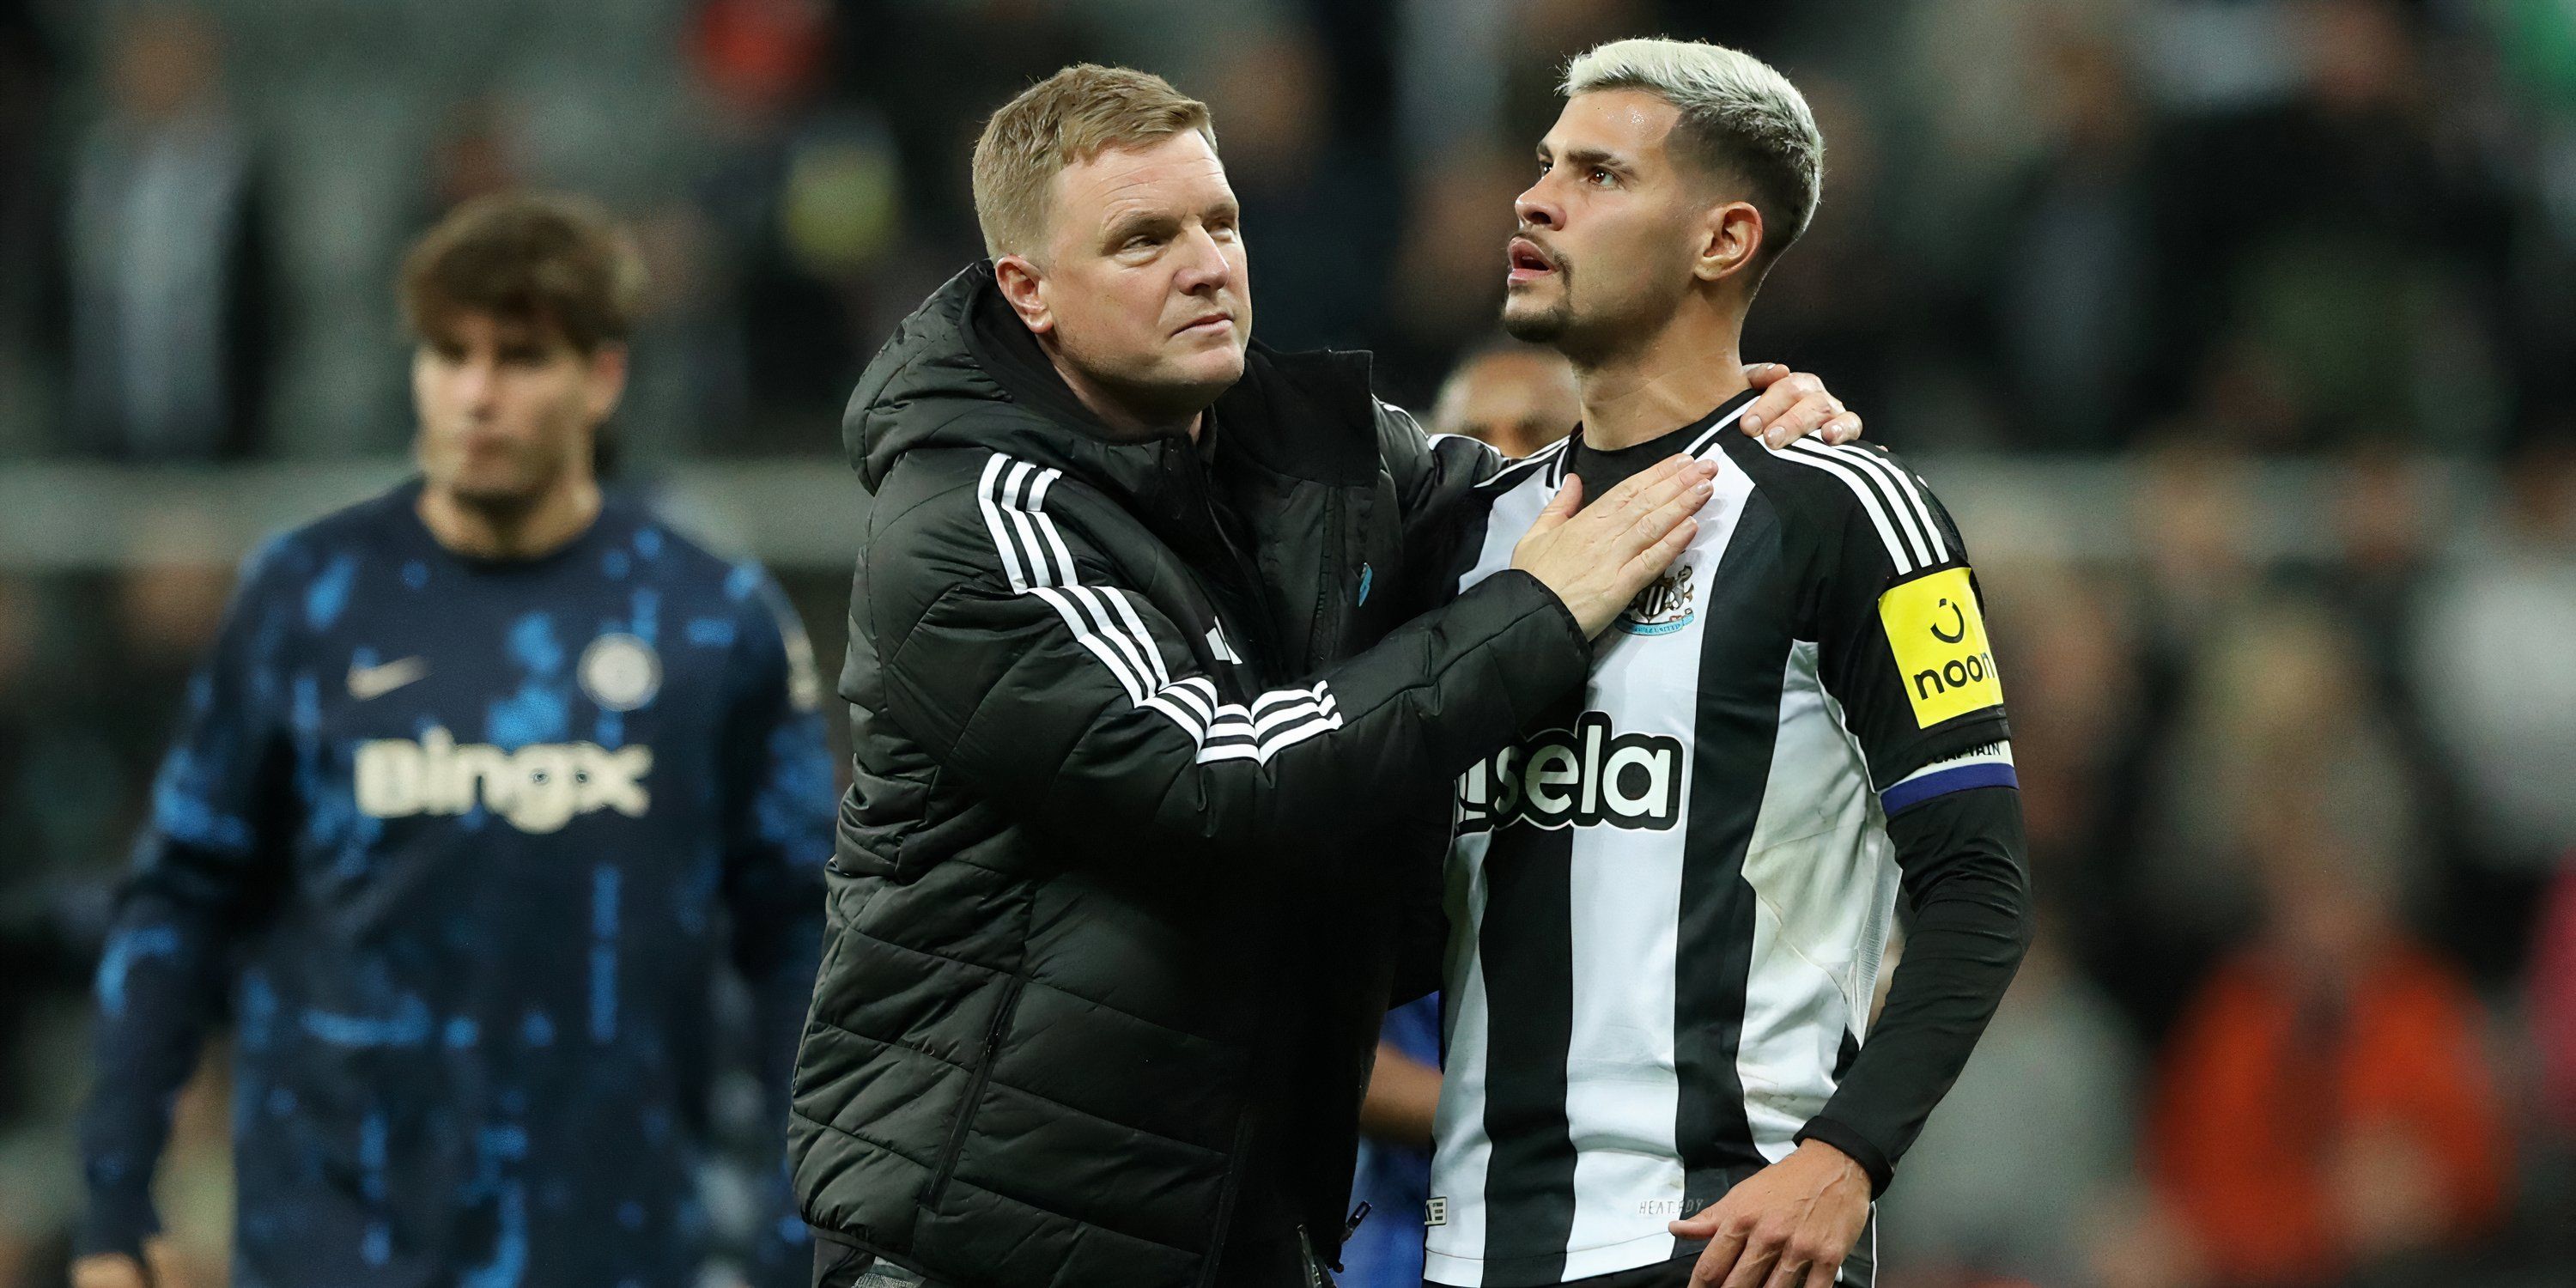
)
(2242, 337)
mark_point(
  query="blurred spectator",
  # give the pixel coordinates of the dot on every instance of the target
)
(1839, 307)
(28, 240)
(165, 253)
(2553, 1003)
(2282, 703)
(2354, 247)
(1446, 288)
(1272, 95)
(2494, 659)
(2326, 1106)
(2075, 281)
(2030, 1152)
(800, 210)
(1515, 397)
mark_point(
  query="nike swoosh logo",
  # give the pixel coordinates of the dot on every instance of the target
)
(376, 681)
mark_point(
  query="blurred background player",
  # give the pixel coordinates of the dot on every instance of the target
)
(1515, 398)
(484, 779)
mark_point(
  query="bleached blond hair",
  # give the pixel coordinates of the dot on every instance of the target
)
(1740, 119)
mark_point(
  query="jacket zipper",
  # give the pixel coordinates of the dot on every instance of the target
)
(1225, 1200)
(1330, 615)
(974, 1094)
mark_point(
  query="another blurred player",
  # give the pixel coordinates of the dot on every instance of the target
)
(1515, 398)
(483, 780)
(1670, 901)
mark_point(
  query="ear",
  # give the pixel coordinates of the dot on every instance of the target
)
(607, 380)
(1023, 288)
(1731, 238)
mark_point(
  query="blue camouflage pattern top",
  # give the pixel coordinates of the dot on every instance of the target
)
(460, 846)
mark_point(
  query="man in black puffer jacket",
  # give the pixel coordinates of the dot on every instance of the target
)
(1151, 767)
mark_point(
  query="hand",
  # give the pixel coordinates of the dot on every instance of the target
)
(1793, 405)
(1787, 1226)
(119, 1270)
(1597, 560)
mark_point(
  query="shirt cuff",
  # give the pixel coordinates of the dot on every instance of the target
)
(1871, 1159)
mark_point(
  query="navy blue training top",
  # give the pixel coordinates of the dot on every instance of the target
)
(459, 846)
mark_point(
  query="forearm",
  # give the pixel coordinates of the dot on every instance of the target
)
(1967, 883)
(1009, 703)
(777, 916)
(1403, 1095)
(160, 986)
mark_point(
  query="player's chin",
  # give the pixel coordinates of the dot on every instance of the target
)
(495, 483)
(1534, 320)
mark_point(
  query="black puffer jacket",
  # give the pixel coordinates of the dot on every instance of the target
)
(1151, 772)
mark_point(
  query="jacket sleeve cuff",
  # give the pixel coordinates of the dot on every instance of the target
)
(1841, 1136)
(115, 1222)
(1569, 651)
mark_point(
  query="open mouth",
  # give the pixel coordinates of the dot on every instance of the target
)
(1528, 261)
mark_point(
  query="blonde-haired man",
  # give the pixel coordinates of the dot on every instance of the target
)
(1669, 902)
(1150, 765)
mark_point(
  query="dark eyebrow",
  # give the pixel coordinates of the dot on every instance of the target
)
(1596, 156)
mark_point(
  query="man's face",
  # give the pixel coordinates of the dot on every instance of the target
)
(1609, 231)
(1518, 402)
(1144, 282)
(505, 407)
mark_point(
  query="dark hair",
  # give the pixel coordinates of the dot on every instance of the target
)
(557, 263)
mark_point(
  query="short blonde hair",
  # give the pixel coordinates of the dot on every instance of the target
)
(1064, 120)
(1741, 117)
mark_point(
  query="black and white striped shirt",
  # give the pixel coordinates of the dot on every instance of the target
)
(1670, 901)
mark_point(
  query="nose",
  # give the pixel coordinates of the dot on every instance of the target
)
(1203, 268)
(478, 384)
(1535, 210)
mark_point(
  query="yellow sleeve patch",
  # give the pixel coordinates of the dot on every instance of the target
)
(1939, 639)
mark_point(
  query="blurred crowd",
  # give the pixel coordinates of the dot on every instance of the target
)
(2304, 1006)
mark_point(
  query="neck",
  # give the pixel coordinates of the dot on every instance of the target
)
(512, 528)
(1671, 378)
(1126, 419)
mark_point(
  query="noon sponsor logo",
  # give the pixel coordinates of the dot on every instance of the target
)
(1580, 777)
(537, 788)
(1939, 641)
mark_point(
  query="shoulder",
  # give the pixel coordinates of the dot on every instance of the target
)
(321, 560)
(1854, 493)
(634, 524)
(984, 522)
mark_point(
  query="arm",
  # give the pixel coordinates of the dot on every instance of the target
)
(1403, 1096)
(1905, 651)
(777, 806)
(208, 857)
(1967, 884)
(1902, 647)
(1011, 651)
